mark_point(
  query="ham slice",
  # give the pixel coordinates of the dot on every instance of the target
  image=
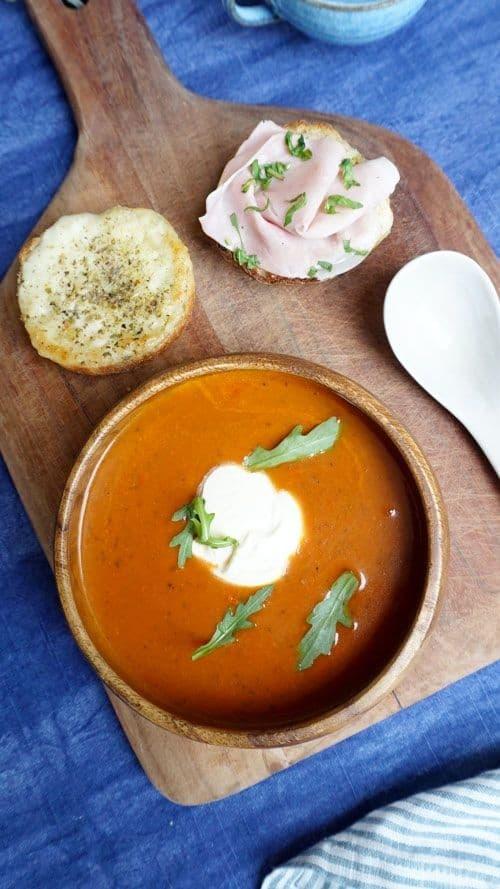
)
(312, 235)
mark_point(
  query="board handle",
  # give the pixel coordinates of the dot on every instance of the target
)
(110, 66)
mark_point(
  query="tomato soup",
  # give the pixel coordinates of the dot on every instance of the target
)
(146, 615)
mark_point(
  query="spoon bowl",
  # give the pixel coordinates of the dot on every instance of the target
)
(442, 319)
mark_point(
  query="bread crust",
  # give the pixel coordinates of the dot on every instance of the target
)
(312, 128)
(128, 363)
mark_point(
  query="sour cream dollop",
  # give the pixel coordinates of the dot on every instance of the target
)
(313, 235)
(266, 522)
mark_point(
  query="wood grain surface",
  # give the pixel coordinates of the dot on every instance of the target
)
(145, 141)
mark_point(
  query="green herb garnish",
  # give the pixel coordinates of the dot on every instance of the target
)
(322, 264)
(324, 617)
(296, 204)
(262, 174)
(258, 209)
(299, 149)
(296, 446)
(338, 200)
(234, 222)
(234, 621)
(349, 249)
(184, 540)
(346, 168)
(248, 260)
(197, 528)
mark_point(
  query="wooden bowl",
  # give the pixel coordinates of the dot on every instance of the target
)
(69, 521)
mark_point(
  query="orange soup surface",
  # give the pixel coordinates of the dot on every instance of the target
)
(146, 616)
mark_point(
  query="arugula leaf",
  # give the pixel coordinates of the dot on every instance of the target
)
(180, 514)
(262, 174)
(338, 200)
(346, 167)
(324, 617)
(296, 446)
(258, 209)
(296, 204)
(349, 249)
(197, 528)
(200, 518)
(299, 149)
(184, 540)
(234, 621)
(249, 260)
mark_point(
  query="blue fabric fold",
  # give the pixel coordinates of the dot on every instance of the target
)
(447, 838)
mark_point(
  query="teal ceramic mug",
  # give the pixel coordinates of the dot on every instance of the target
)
(348, 22)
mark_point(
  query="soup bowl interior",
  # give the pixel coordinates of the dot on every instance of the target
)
(301, 727)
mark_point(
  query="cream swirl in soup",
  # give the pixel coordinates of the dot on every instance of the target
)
(266, 522)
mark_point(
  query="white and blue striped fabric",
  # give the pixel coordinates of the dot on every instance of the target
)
(444, 838)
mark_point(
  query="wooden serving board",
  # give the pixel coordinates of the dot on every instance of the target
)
(145, 141)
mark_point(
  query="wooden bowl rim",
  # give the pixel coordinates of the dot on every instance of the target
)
(437, 554)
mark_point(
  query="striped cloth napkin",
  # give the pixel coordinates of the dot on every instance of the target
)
(444, 838)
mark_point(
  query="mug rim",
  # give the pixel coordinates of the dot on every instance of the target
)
(366, 6)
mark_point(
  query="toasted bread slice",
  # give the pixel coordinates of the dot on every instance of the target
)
(384, 212)
(102, 293)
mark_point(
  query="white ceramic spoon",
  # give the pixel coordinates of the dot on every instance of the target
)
(442, 318)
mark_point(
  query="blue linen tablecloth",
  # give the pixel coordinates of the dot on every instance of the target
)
(75, 808)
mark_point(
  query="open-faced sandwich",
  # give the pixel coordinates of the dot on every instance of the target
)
(299, 202)
(101, 293)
